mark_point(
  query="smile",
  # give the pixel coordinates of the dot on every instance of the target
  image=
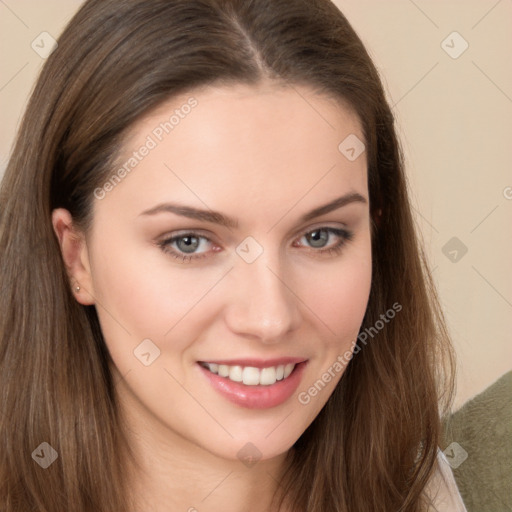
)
(250, 375)
(255, 384)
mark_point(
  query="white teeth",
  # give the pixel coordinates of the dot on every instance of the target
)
(250, 375)
(288, 369)
(223, 370)
(235, 373)
(267, 376)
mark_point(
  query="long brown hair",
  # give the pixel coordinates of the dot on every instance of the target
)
(373, 445)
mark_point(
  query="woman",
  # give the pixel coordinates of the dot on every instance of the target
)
(213, 296)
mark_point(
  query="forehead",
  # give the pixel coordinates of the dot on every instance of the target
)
(242, 146)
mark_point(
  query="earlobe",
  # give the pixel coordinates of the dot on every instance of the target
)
(74, 255)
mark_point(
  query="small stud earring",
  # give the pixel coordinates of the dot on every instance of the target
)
(77, 288)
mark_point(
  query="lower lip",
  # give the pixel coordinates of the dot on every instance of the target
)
(256, 397)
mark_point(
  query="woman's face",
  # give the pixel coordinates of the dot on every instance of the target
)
(227, 241)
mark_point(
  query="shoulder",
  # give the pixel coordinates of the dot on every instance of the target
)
(442, 491)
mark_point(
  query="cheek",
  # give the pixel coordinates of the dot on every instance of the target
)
(140, 294)
(339, 296)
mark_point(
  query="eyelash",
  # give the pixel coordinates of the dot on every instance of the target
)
(344, 235)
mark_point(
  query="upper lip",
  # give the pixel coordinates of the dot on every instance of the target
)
(256, 363)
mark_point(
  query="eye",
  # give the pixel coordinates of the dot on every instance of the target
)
(327, 239)
(186, 246)
(189, 246)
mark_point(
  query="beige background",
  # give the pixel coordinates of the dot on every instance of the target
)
(455, 118)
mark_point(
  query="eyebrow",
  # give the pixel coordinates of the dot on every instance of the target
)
(223, 220)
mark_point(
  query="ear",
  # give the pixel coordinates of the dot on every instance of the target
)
(75, 255)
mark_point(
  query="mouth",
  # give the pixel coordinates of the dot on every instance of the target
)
(251, 375)
(255, 384)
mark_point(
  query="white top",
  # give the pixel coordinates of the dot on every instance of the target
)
(442, 489)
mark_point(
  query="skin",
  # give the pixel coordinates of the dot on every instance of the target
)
(265, 156)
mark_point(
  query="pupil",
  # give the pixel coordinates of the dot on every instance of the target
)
(318, 238)
(188, 243)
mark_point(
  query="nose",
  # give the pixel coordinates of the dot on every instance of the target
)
(263, 305)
